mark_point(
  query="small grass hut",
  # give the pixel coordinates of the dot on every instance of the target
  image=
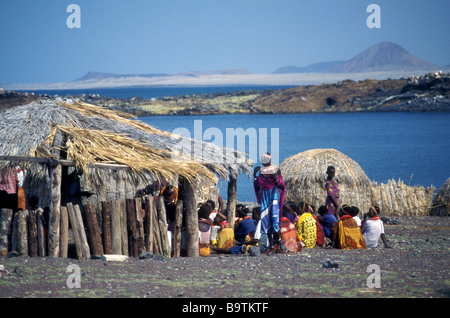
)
(71, 148)
(304, 175)
(305, 178)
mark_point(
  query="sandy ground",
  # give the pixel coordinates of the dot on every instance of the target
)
(415, 266)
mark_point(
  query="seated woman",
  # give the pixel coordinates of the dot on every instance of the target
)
(204, 230)
(289, 237)
(306, 226)
(243, 235)
(329, 223)
(225, 236)
(348, 234)
(373, 228)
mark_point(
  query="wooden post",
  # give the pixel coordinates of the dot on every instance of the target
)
(148, 223)
(55, 198)
(177, 229)
(22, 241)
(106, 227)
(81, 232)
(42, 244)
(33, 234)
(190, 203)
(5, 230)
(231, 202)
(116, 227)
(15, 233)
(64, 231)
(157, 247)
(123, 223)
(131, 228)
(162, 220)
(54, 232)
(75, 231)
(93, 230)
(140, 226)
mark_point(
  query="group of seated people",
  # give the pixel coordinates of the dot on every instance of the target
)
(300, 227)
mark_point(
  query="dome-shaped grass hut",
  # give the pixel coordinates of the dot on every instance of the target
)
(304, 175)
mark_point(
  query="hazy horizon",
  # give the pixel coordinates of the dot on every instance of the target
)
(143, 37)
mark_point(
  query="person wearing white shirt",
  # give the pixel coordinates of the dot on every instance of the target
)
(373, 228)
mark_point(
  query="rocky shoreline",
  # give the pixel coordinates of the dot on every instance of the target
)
(428, 93)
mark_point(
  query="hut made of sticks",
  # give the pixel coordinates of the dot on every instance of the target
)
(441, 204)
(70, 148)
(304, 175)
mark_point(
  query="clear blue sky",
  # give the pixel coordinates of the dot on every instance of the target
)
(170, 36)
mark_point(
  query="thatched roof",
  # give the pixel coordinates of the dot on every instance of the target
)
(305, 176)
(98, 135)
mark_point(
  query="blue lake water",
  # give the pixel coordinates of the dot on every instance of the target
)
(413, 147)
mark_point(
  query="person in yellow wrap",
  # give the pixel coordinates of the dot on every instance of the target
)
(306, 226)
(348, 234)
(225, 236)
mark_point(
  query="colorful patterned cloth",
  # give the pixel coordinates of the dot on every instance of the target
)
(307, 230)
(226, 236)
(332, 192)
(320, 237)
(271, 198)
(349, 234)
(288, 235)
(8, 182)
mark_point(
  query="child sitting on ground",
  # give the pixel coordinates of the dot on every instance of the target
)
(329, 224)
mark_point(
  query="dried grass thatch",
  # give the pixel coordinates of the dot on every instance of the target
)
(441, 204)
(97, 135)
(305, 176)
(396, 198)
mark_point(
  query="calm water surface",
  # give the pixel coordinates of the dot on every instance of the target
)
(413, 147)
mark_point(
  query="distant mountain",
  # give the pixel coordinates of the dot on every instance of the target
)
(241, 71)
(312, 68)
(385, 56)
(100, 76)
(92, 76)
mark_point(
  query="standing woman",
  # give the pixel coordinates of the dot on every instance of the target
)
(270, 191)
(332, 187)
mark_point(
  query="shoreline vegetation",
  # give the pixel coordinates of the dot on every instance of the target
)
(427, 93)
